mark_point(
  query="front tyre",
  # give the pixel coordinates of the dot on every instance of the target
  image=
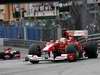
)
(71, 57)
(17, 55)
(26, 59)
(34, 62)
(71, 51)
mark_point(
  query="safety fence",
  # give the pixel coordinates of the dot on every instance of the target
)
(12, 32)
(28, 32)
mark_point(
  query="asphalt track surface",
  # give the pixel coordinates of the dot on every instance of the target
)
(80, 67)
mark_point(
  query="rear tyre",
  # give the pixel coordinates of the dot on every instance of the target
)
(91, 50)
(93, 56)
(8, 56)
(2, 55)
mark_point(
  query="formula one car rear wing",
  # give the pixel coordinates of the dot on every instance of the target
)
(83, 33)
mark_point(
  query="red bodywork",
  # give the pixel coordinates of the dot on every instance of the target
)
(62, 45)
(7, 50)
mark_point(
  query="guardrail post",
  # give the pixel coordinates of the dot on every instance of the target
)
(25, 33)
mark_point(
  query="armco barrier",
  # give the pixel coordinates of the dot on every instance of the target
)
(26, 43)
(22, 43)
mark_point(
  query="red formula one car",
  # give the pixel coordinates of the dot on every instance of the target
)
(63, 49)
(9, 54)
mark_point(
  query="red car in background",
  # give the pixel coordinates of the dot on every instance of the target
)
(9, 53)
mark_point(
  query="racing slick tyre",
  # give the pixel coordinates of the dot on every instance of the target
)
(91, 50)
(34, 62)
(71, 57)
(16, 55)
(56, 53)
(35, 49)
(2, 55)
(71, 51)
(26, 59)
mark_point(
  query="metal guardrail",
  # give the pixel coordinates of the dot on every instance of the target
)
(22, 43)
(27, 43)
